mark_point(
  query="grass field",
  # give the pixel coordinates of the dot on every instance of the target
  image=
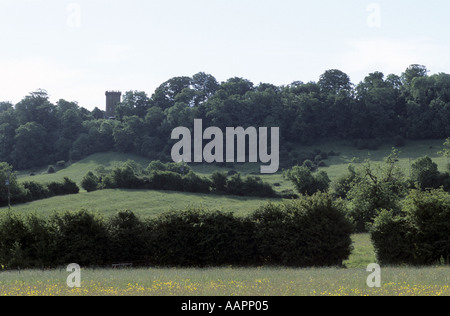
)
(402, 281)
(143, 203)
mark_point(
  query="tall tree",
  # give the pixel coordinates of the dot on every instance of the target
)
(31, 146)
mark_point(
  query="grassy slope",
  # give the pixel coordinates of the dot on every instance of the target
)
(142, 202)
(150, 203)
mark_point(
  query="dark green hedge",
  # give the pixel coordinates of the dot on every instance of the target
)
(177, 177)
(312, 231)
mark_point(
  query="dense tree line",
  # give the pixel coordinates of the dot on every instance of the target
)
(414, 105)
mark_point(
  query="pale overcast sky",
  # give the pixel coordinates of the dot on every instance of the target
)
(77, 50)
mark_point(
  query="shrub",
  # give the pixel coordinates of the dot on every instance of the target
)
(219, 181)
(63, 188)
(311, 231)
(79, 237)
(392, 239)
(235, 185)
(254, 186)
(306, 182)
(157, 165)
(36, 190)
(430, 213)
(195, 238)
(127, 177)
(425, 172)
(419, 235)
(128, 237)
(166, 180)
(90, 182)
(17, 191)
(344, 183)
(13, 238)
(194, 183)
(40, 247)
(310, 165)
(51, 169)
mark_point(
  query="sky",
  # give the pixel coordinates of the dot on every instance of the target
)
(77, 50)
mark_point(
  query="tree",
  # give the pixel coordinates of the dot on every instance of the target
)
(335, 81)
(344, 183)
(446, 151)
(133, 103)
(375, 188)
(31, 148)
(205, 86)
(165, 94)
(36, 107)
(377, 100)
(425, 172)
(236, 86)
(412, 72)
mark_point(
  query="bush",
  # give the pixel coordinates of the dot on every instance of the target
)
(13, 238)
(79, 237)
(392, 239)
(127, 176)
(17, 191)
(254, 186)
(128, 237)
(194, 183)
(63, 188)
(157, 165)
(235, 185)
(311, 231)
(430, 213)
(219, 181)
(425, 173)
(195, 238)
(306, 182)
(344, 183)
(36, 190)
(165, 180)
(419, 235)
(51, 169)
(90, 182)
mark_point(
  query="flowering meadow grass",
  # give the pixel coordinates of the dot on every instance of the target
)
(429, 281)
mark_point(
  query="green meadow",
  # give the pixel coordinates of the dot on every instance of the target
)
(151, 203)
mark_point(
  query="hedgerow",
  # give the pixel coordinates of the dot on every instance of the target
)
(312, 231)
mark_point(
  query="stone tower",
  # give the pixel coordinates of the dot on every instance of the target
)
(112, 99)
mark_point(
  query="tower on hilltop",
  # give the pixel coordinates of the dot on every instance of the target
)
(112, 99)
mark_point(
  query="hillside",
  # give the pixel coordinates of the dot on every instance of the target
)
(150, 203)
